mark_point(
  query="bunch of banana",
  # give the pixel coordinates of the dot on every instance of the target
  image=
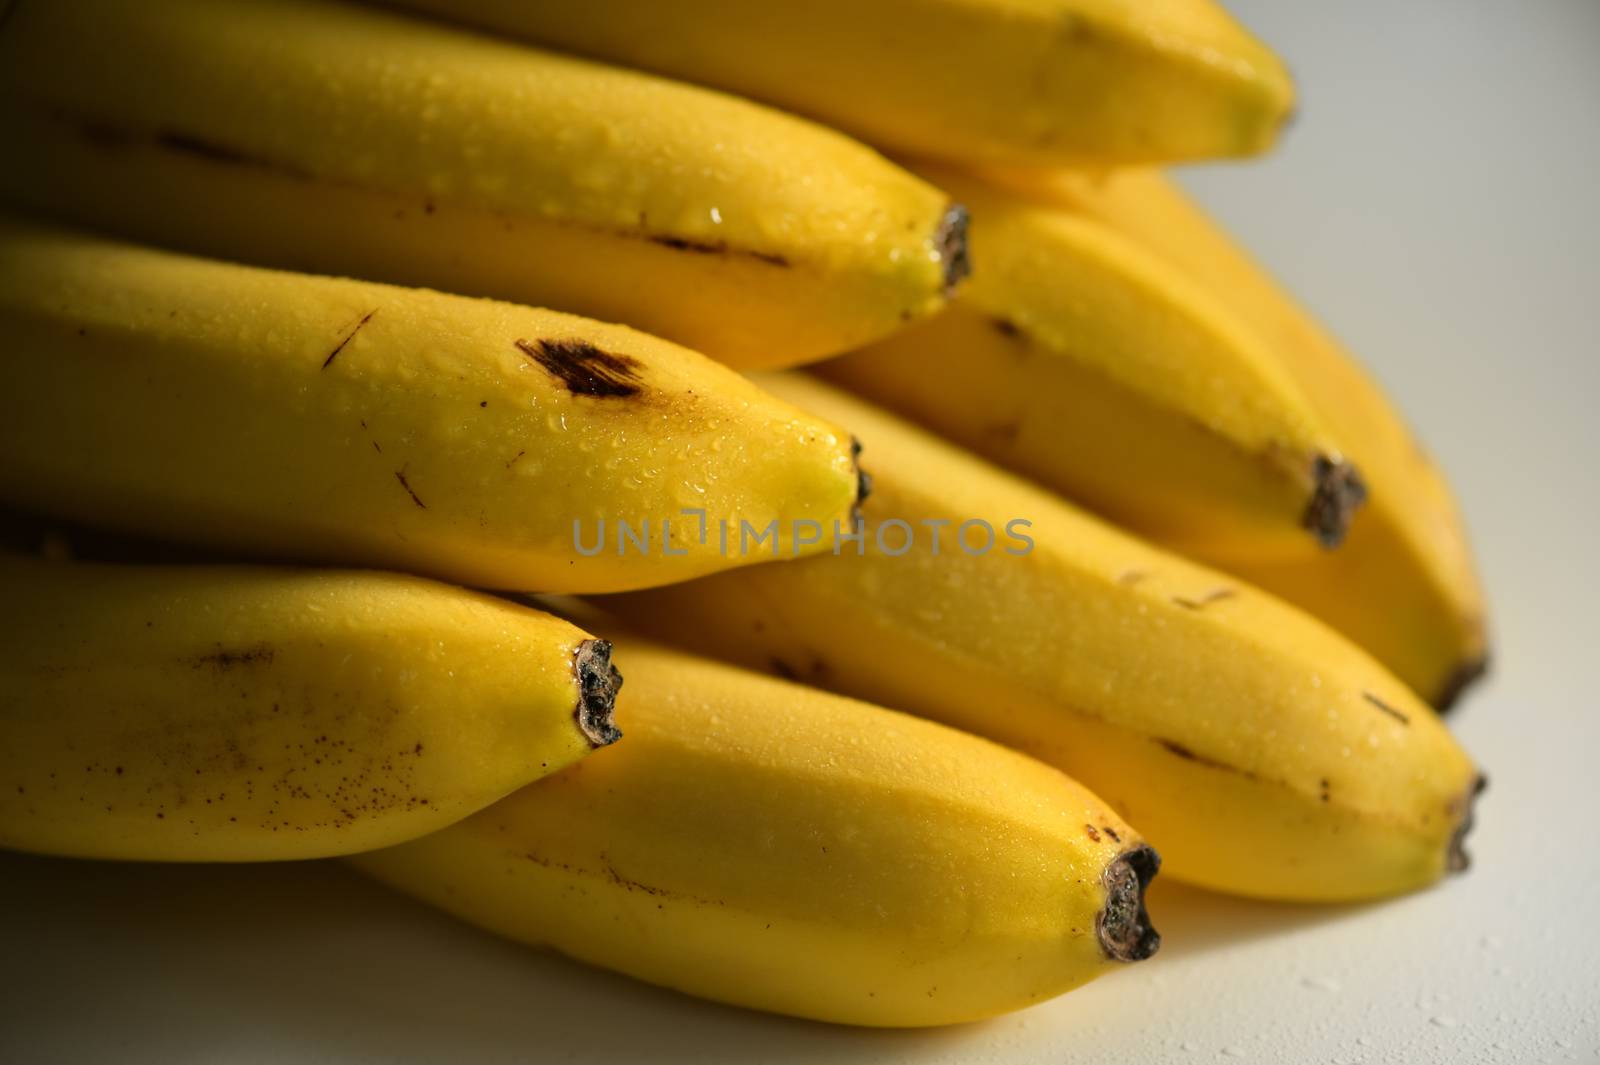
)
(762, 843)
(1262, 754)
(287, 415)
(200, 695)
(321, 136)
(236, 713)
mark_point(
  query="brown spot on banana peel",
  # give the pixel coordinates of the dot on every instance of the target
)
(1337, 492)
(598, 682)
(1398, 715)
(1457, 860)
(400, 475)
(1216, 595)
(630, 884)
(111, 135)
(717, 247)
(347, 338)
(1123, 925)
(206, 149)
(584, 369)
(1175, 748)
(950, 241)
(228, 658)
(1006, 327)
(1465, 675)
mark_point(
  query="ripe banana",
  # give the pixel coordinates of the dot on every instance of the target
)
(1031, 83)
(769, 845)
(289, 415)
(1083, 361)
(325, 137)
(235, 713)
(1404, 585)
(1262, 753)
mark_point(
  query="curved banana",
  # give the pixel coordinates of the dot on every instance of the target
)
(322, 136)
(235, 713)
(1262, 753)
(1404, 586)
(1031, 83)
(295, 416)
(768, 845)
(1083, 361)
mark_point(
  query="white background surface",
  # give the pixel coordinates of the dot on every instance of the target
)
(1437, 203)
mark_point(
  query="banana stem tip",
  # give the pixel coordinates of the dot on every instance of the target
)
(598, 681)
(1455, 685)
(863, 478)
(1123, 927)
(1337, 492)
(1457, 860)
(950, 241)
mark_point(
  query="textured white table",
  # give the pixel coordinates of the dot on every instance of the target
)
(1437, 202)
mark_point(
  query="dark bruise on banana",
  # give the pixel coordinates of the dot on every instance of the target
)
(584, 369)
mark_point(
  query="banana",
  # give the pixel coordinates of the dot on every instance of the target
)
(1083, 361)
(1024, 82)
(325, 137)
(1404, 585)
(294, 416)
(235, 713)
(767, 845)
(1261, 752)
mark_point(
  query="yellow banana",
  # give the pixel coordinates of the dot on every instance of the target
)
(235, 713)
(1404, 586)
(322, 136)
(1262, 753)
(1085, 362)
(290, 415)
(768, 845)
(1028, 82)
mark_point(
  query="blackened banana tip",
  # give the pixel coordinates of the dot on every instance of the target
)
(1123, 926)
(1457, 860)
(950, 241)
(1337, 492)
(1464, 677)
(863, 478)
(598, 681)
